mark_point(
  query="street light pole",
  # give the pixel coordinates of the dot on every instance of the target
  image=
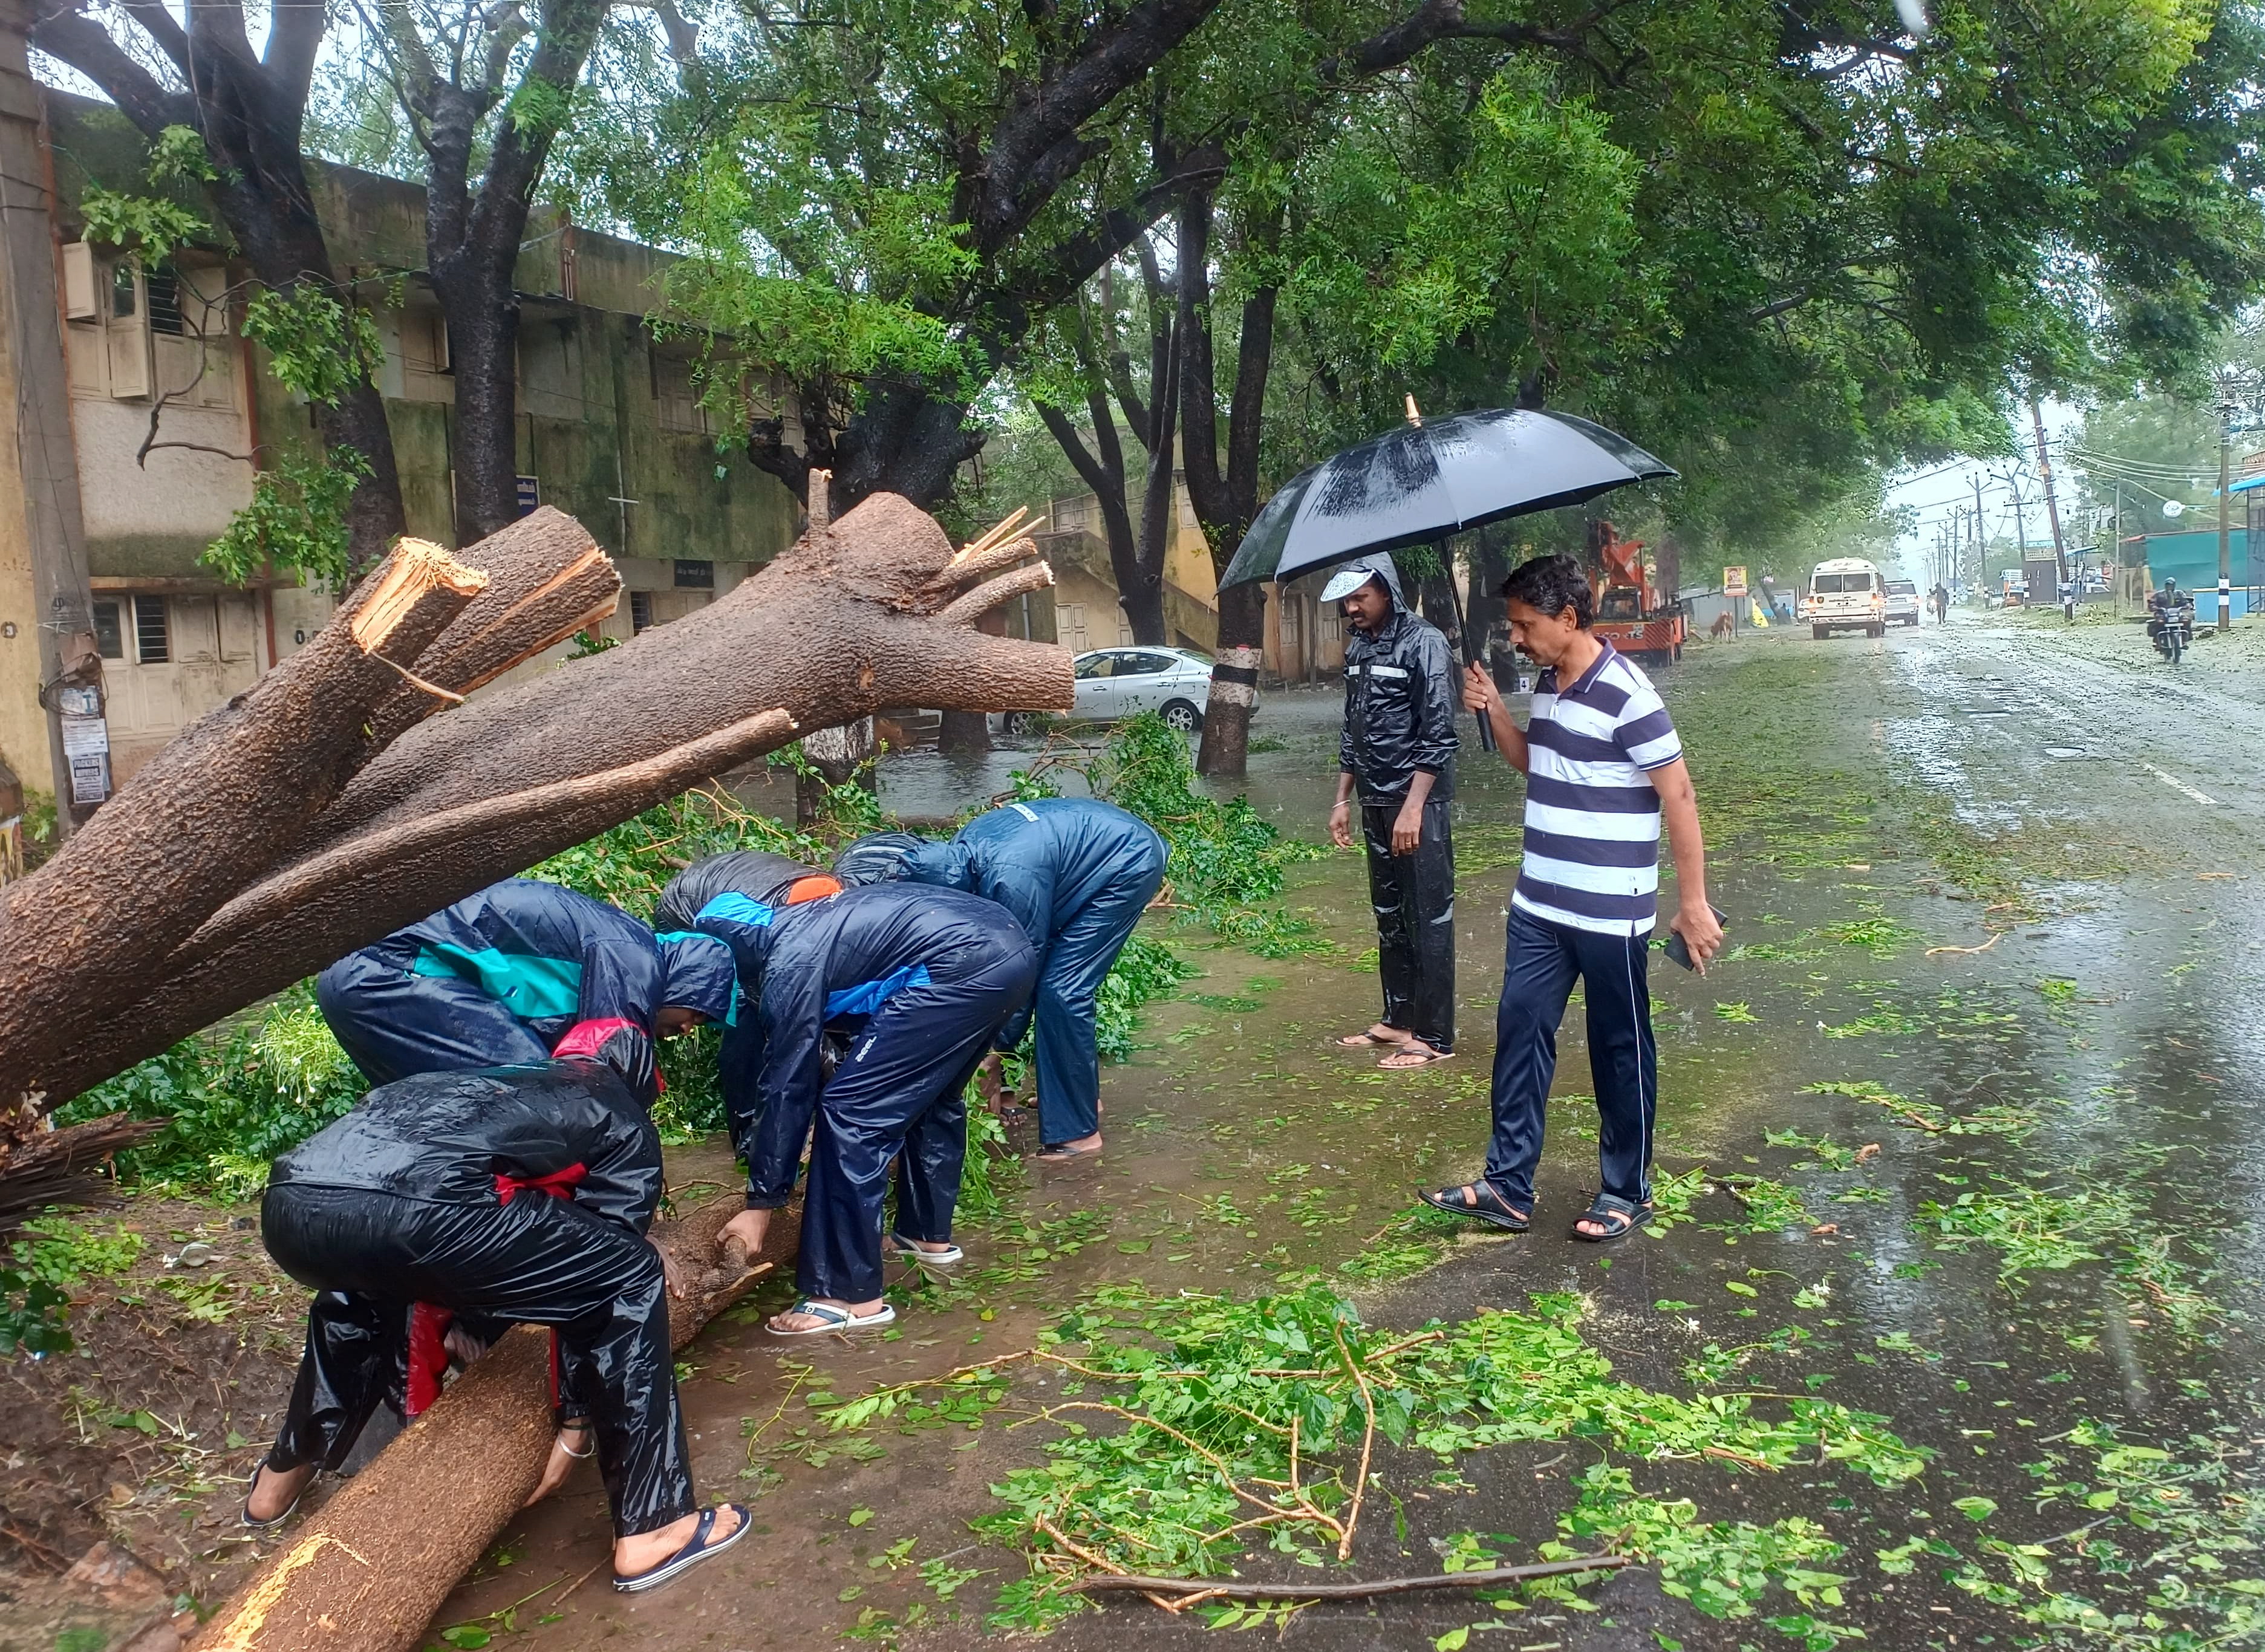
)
(2052, 505)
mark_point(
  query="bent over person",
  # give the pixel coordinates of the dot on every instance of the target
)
(1602, 764)
(921, 979)
(521, 1194)
(1076, 874)
(1398, 753)
(520, 972)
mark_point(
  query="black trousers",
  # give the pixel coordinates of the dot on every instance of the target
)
(1414, 896)
(536, 1260)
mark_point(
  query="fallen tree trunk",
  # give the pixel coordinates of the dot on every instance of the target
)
(369, 1568)
(874, 610)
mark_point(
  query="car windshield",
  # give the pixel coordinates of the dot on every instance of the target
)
(1825, 584)
(1902, 588)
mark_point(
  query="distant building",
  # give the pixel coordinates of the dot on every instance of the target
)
(608, 429)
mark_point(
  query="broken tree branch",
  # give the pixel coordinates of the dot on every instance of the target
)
(1494, 1577)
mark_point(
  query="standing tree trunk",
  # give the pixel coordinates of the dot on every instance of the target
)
(1226, 501)
(249, 109)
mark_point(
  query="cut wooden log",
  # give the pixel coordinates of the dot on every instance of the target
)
(547, 580)
(866, 613)
(237, 793)
(369, 1568)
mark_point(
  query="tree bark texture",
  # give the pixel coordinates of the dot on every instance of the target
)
(250, 108)
(874, 610)
(369, 1568)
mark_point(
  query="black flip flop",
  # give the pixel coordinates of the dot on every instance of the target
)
(1502, 1213)
(1619, 1218)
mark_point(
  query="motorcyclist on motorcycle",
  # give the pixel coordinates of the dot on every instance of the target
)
(2170, 620)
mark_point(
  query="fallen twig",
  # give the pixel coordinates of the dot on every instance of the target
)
(1996, 936)
(1494, 1576)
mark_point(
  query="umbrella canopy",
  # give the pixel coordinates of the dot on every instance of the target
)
(1424, 482)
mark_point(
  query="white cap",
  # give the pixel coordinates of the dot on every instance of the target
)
(1347, 580)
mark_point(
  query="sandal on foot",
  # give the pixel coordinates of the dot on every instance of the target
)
(834, 1319)
(1062, 1153)
(289, 1509)
(1366, 1041)
(1480, 1200)
(702, 1545)
(1411, 1056)
(1617, 1216)
(899, 1245)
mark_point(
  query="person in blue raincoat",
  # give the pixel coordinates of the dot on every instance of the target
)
(521, 971)
(923, 978)
(1077, 874)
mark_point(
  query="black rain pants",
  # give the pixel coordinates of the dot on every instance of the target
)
(536, 1261)
(1414, 896)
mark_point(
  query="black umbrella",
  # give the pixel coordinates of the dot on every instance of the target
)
(1424, 482)
(1427, 481)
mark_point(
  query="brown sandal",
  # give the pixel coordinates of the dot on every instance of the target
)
(1413, 1055)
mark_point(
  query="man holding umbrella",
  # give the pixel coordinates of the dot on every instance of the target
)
(1398, 752)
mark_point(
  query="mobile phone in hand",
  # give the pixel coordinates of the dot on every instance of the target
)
(1680, 950)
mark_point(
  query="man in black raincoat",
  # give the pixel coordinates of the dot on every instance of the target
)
(521, 1194)
(1398, 753)
(1077, 874)
(522, 970)
(922, 978)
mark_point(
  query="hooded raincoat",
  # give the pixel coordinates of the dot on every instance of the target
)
(1400, 718)
(517, 972)
(520, 1194)
(1076, 874)
(921, 979)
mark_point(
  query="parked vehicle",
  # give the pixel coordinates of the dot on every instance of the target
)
(1122, 683)
(1903, 602)
(1847, 595)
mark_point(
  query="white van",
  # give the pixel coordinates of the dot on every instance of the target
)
(1847, 595)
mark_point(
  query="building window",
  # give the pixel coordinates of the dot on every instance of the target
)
(640, 611)
(152, 640)
(164, 290)
(109, 634)
(123, 305)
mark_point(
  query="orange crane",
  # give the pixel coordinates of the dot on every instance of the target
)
(1631, 615)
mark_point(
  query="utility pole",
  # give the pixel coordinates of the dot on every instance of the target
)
(1981, 552)
(2052, 505)
(2225, 506)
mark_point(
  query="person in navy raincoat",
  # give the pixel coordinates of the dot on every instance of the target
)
(518, 1194)
(1077, 874)
(520, 972)
(923, 978)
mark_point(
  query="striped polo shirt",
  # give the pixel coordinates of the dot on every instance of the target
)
(1591, 816)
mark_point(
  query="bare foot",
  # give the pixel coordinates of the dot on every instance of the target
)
(275, 1489)
(568, 1447)
(1083, 1148)
(648, 1549)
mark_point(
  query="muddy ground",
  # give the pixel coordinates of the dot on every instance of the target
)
(1959, 1136)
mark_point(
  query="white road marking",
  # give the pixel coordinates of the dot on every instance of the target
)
(2176, 784)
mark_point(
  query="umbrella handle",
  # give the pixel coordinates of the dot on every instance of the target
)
(1463, 631)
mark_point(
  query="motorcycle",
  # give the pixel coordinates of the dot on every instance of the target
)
(2170, 627)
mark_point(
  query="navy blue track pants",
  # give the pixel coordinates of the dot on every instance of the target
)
(1069, 1059)
(902, 1088)
(1544, 959)
(395, 1023)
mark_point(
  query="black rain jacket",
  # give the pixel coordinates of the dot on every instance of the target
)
(459, 1137)
(1401, 694)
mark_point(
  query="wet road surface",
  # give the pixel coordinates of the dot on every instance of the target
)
(2001, 1197)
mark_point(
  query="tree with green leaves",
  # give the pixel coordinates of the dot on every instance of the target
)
(197, 73)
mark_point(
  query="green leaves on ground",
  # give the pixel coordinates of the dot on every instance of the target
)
(51, 1258)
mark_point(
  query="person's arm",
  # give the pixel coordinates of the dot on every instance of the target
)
(1408, 825)
(1434, 746)
(621, 1172)
(793, 1015)
(1482, 696)
(1678, 807)
(1341, 811)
